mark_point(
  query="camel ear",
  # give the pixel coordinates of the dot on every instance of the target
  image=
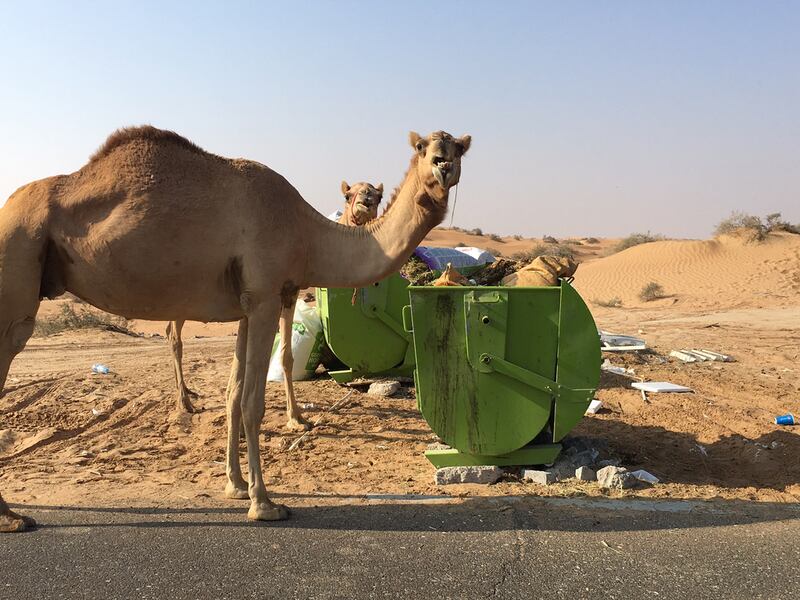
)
(463, 143)
(417, 142)
(345, 188)
(380, 188)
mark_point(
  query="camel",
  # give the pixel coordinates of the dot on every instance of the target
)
(155, 228)
(361, 206)
(361, 203)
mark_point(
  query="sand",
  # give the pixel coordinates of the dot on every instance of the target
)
(68, 436)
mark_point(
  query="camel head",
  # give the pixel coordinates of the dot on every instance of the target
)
(439, 160)
(361, 201)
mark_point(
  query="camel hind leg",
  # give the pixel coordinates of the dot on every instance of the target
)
(294, 418)
(174, 329)
(236, 486)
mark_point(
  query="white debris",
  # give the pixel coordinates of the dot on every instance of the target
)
(684, 356)
(695, 355)
(585, 474)
(643, 475)
(659, 386)
(608, 367)
(614, 342)
(594, 406)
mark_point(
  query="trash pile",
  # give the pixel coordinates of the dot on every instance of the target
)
(473, 266)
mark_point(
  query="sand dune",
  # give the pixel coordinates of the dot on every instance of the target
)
(711, 274)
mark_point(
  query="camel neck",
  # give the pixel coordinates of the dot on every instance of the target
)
(342, 256)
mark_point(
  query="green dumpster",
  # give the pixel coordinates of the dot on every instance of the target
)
(365, 329)
(502, 373)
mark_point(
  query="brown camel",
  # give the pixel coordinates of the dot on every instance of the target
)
(361, 206)
(361, 203)
(155, 228)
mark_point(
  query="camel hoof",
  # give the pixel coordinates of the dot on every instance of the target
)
(298, 424)
(185, 406)
(267, 511)
(11, 522)
(236, 493)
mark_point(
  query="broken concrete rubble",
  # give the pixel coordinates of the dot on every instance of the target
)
(617, 478)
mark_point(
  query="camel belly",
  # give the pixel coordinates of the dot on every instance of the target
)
(155, 282)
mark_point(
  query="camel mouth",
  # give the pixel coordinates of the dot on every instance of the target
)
(442, 170)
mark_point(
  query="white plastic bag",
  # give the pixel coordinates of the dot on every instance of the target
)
(437, 258)
(307, 340)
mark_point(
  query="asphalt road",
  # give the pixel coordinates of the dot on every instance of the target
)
(407, 548)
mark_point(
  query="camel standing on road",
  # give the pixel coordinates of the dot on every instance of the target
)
(361, 206)
(155, 228)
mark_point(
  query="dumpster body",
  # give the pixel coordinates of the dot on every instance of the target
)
(364, 329)
(502, 373)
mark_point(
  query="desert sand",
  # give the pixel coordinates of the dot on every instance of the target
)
(68, 436)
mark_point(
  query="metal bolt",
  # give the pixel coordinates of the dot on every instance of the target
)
(485, 320)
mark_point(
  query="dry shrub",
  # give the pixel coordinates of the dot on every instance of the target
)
(614, 302)
(477, 231)
(636, 239)
(743, 225)
(70, 319)
(652, 291)
(548, 239)
(495, 238)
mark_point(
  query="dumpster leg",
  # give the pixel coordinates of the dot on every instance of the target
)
(539, 454)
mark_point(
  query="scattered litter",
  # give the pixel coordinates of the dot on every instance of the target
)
(614, 342)
(97, 412)
(702, 449)
(594, 406)
(608, 367)
(100, 369)
(659, 386)
(307, 406)
(787, 419)
(643, 475)
(695, 355)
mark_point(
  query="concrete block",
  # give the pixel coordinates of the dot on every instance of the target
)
(585, 474)
(540, 477)
(480, 474)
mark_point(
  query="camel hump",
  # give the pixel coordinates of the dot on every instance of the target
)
(126, 135)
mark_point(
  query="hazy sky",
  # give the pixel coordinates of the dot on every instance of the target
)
(587, 118)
